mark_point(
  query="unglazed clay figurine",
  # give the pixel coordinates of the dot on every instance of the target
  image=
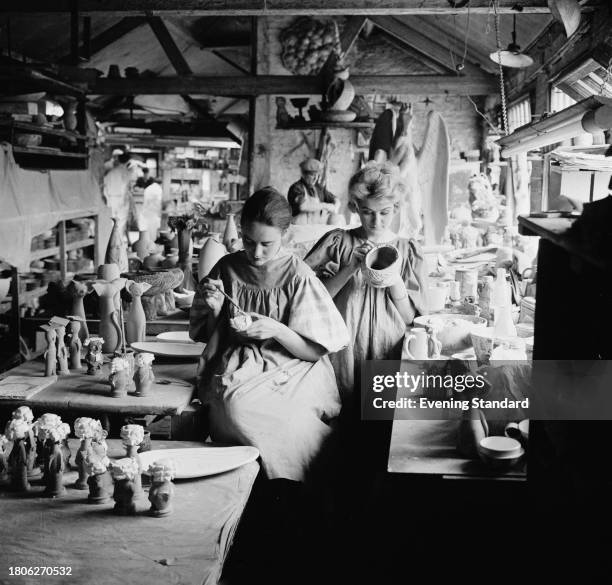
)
(160, 494)
(136, 322)
(77, 291)
(144, 377)
(51, 351)
(85, 428)
(25, 413)
(75, 343)
(16, 431)
(108, 291)
(132, 436)
(124, 471)
(57, 460)
(119, 377)
(100, 481)
(94, 358)
(62, 350)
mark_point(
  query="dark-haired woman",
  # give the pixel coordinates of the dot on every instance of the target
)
(270, 385)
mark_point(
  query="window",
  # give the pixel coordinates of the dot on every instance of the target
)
(519, 114)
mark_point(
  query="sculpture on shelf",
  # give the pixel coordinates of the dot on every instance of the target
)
(75, 345)
(183, 224)
(132, 436)
(160, 494)
(116, 252)
(136, 322)
(94, 358)
(16, 431)
(144, 377)
(119, 377)
(61, 349)
(124, 471)
(77, 291)
(108, 290)
(85, 429)
(51, 351)
(99, 479)
(56, 463)
(25, 414)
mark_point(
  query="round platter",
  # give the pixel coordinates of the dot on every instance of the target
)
(174, 337)
(201, 461)
(167, 349)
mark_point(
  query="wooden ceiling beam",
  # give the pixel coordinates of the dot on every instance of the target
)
(423, 43)
(250, 85)
(274, 7)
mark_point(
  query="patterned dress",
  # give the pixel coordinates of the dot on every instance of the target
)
(259, 394)
(375, 325)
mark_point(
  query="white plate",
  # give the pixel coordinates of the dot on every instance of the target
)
(201, 461)
(175, 337)
(166, 349)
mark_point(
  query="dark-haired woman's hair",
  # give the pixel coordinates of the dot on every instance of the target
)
(267, 206)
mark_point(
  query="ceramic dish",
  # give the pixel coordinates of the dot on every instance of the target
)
(501, 462)
(499, 447)
(201, 461)
(174, 337)
(177, 350)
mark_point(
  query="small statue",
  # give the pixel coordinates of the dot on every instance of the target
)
(75, 342)
(25, 413)
(85, 428)
(16, 431)
(434, 344)
(94, 358)
(62, 350)
(124, 471)
(282, 115)
(100, 481)
(119, 377)
(77, 291)
(132, 436)
(160, 494)
(136, 322)
(51, 351)
(144, 377)
(56, 464)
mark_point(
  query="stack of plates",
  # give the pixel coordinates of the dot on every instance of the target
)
(500, 451)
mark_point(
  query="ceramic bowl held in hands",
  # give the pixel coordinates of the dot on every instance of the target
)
(241, 322)
(381, 266)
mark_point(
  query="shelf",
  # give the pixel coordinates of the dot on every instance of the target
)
(32, 294)
(44, 253)
(36, 129)
(41, 150)
(319, 125)
(80, 244)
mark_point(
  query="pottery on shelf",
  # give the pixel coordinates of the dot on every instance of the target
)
(76, 345)
(80, 460)
(55, 471)
(77, 291)
(136, 322)
(100, 487)
(51, 351)
(62, 350)
(185, 247)
(108, 288)
(119, 377)
(116, 252)
(162, 281)
(144, 377)
(153, 260)
(210, 253)
(94, 358)
(231, 231)
(160, 494)
(142, 245)
(171, 259)
(18, 466)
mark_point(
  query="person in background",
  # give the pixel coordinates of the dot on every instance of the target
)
(117, 182)
(145, 180)
(311, 203)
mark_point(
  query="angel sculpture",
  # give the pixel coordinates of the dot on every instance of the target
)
(425, 170)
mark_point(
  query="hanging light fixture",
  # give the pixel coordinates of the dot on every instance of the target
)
(512, 56)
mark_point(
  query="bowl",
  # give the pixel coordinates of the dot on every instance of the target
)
(499, 447)
(452, 330)
(381, 265)
(501, 463)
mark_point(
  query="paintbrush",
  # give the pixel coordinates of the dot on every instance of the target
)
(231, 300)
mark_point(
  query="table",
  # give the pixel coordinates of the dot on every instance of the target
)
(187, 547)
(79, 392)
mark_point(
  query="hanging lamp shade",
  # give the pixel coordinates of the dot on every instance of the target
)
(512, 55)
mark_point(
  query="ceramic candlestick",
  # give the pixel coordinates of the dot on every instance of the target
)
(62, 350)
(108, 291)
(144, 377)
(161, 491)
(77, 291)
(119, 377)
(94, 358)
(75, 343)
(136, 322)
(51, 351)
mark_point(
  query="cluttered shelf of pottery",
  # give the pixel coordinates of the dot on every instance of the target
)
(319, 125)
(44, 253)
(33, 294)
(555, 229)
(79, 244)
(42, 129)
(48, 151)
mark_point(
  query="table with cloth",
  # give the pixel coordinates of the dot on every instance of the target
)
(188, 547)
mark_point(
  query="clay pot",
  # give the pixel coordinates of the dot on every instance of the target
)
(160, 496)
(172, 259)
(142, 245)
(124, 497)
(231, 231)
(210, 253)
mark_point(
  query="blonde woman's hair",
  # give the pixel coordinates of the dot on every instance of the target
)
(376, 181)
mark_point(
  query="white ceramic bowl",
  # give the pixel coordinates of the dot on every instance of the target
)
(501, 463)
(381, 265)
(499, 447)
(453, 330)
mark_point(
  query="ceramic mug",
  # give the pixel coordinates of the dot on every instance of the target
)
(437, 295)
(418, 345)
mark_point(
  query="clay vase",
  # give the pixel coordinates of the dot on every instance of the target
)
(18, 466)
(108, 291)
(81, 456)
(62, 351)
(132, 452)
(119, 384)
(123, 495)
(184, 263)
(75, 345)
(100, 488)
(77, 291)
(144, 380)
(136, 322)
(155, 260)
(142, 245)
(231, 231)
(473, 428)
(210, 253)
(116, 252)
(55, 473)
(172, 259)
(160, 496)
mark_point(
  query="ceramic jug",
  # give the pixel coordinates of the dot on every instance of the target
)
(231, 231)
(420, 344)
(210, 253)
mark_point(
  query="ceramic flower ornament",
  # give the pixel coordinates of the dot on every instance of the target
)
(162, 470)
(46, 421)
(86, 428)
(25, 413)
(17, 428)
(132, 435)
(96, 465)
(125, 468)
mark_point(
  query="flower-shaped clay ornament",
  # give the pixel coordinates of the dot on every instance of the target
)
(132, 435)
(86, 428)
(96, 465)
(125, 468)
(17, 429)
(144, 359)
(162, 470)
(44, 422)
(241, 321)
(58, 433)
(25, 413)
